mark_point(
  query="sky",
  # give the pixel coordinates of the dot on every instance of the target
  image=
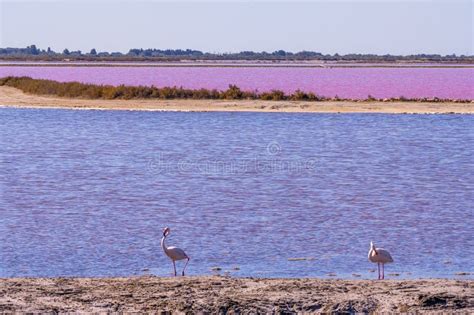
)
(378, 27)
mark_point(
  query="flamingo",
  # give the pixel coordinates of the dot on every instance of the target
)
(172, 252)
(379, 256)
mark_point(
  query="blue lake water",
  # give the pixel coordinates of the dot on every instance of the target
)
(87, 193)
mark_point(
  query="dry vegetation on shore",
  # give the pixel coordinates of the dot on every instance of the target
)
(12, 97)
(109, 92)
(220, 295)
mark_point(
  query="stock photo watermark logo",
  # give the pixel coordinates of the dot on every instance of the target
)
(270, 161)
(273, 148)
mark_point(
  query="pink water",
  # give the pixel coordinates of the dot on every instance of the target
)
(355, 83)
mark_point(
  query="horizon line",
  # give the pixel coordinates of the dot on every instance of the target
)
(231, 52)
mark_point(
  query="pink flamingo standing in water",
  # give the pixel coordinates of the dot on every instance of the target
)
(172, 252)
(379, 256)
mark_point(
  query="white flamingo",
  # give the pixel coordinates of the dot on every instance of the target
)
(379, 256)
(172, 252)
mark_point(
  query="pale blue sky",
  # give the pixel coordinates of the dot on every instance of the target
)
(380, 27)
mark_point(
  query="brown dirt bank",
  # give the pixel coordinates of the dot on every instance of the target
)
(15, 98)
(164, 64)
(235, 295)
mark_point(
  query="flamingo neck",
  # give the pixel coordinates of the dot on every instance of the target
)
(163, 245)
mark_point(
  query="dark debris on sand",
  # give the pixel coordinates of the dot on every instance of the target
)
(223, 295)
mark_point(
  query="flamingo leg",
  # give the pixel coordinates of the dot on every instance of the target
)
(378, 267)
(383, 271)
(174, 266)
(185, 266)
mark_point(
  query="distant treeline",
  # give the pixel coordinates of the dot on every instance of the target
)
(34, 53)
(109, 92)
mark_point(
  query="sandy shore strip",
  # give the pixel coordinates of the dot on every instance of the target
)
(214, 294)
(11, 97)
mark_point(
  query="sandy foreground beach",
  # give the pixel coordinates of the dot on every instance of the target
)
(11, 97)
(215, 294)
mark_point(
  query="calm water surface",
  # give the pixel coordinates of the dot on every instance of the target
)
(87, 193)
(355, 83)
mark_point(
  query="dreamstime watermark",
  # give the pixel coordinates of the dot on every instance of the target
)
(269, 162)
